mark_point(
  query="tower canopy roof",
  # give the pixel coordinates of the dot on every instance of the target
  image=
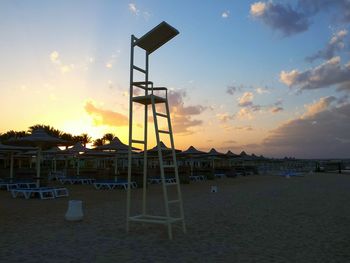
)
(157, 37)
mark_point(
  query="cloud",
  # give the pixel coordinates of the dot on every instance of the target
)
(244, 113)
(340, 8)
(322, 132)
(136, 11)
(295, 19)
(321, 105)
(335, 44)
(325, 75)
(146, 15)
(133, 9)
(344, 87)
(232, 89)
(276, 109)
(248, 108)
(280, 17)
(225, 117)
(258, 8)
(112, 60)
(55, 59)
(246, 99)
(225, 14)
(244, 128)
(105, 117)
(182, 121)
(67, 68)
(54, 56)
(261, 90)
(230, 142)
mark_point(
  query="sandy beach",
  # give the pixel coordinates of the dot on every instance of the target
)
(250, 219)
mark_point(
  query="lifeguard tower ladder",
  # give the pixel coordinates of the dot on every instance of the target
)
(150, 42)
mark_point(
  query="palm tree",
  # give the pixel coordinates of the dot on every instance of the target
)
(67, 137)
(108, 137)
(12, 134)
(84, 138)
(98, 142)
(49, 130)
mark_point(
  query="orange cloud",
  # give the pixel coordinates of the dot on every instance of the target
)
(318, 106)
(182, 115)
(105, 117)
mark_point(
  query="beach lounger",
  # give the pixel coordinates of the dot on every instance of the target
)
(8, 186)
(60, 192)
(112, 184)
(17, 183)
(158, 180)
(219, 175)
(196, 178)
(26, 185)
(76, 180)
(291, 174)
(43, 192)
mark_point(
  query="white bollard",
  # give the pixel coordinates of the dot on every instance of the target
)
(214, 189)
(75, 211)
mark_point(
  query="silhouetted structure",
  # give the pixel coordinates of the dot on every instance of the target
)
(150, 42)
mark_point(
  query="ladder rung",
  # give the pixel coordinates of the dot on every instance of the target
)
(168, 166)
(176, 219)
(169, 184)
(161, 115)
(174, 201)
(138, 141)
(161, 131)
(142, 84)
(139, 69)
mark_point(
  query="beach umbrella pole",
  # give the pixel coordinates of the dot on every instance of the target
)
(54, 165)
(38, 158)
(11, 165)
(78, 166)
(191, 165)
(116, 168)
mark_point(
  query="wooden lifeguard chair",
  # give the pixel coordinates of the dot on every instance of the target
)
(150, 42)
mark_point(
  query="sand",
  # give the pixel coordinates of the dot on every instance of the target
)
(250, 219)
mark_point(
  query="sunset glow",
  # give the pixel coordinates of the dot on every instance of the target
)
(266, 77)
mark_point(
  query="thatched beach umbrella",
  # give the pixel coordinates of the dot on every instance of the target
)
(214, 154)
(53, 152)
(117, 147)
(231, 154)
(163, 147)
(75, 151)
(191, 153)
(94, 154)
(11, 150)
(39, 138)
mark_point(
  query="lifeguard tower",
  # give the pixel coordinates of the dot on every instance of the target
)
(149, 95)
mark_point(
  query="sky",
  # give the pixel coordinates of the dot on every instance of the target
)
(267, 77)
